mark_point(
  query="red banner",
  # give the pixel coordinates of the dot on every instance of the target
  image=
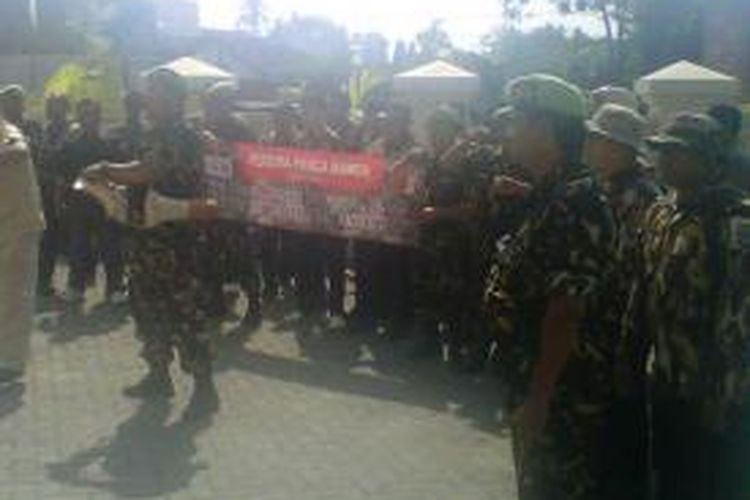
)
(328, 170)
(337, 194)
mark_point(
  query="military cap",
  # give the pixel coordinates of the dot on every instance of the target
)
(693, 131)
(619, 124)
(168, 80)
(615, 95)
(547, 94)
(12, 91)
(222, 91)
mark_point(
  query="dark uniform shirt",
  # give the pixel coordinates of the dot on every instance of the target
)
(697, 264)
(81, 151)
(55, 137)
(34, 136)
(562, 249)
(457, 242)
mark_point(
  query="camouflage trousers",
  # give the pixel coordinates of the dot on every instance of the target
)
(568, 462)
(168, 299)
(229, 255)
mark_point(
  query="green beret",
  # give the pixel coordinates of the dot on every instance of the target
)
(548, 94)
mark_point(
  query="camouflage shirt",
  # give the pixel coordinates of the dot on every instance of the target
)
(175, 153)
(630, 195)
(697, 265)
(562, 249)
(455, 242)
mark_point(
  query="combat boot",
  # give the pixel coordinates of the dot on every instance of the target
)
(205, 399)
(157, 384)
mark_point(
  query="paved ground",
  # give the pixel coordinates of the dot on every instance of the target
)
(331, 416)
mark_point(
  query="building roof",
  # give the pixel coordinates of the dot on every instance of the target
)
(194, 69)
(686, 70)
(437, 69)
(686, 78)
(438, 78)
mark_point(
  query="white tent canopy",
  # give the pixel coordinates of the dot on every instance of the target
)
(685, 86)
(426, 88)
(196, 71)
(438, 78)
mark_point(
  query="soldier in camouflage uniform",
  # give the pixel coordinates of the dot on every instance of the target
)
(612, 150)
(541, 298)
(168, 298)
(696, 284)
(450, 271)
(232, 252)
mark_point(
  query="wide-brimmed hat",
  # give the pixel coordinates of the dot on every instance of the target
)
(693, 131)
(619, 124)
(614, 95)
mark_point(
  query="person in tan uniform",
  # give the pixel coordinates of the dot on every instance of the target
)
(21, 225)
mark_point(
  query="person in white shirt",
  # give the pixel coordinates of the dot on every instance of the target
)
(21, 225)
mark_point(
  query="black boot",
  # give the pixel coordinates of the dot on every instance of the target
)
(205, 399)
(157, 384)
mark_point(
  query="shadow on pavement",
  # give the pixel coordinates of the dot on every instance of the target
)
(101, 319)
(335, 364)
(11, 398)
(146, 457)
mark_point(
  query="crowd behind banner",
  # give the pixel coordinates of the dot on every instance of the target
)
(603, 274)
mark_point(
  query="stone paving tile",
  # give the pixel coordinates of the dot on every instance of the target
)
(303, 417)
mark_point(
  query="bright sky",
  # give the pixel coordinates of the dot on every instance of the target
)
(466, 20)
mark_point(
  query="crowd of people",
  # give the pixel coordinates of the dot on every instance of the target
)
(599, 265)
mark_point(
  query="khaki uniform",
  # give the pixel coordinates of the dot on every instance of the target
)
(21, 223)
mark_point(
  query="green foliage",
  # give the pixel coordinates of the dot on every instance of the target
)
(434, 42)
(640, 35)
(97, 79)
(361, 84)
(576, 57)
(668, 30)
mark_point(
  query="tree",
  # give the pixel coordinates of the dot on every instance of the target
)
(311, 47)
(576, 57)
(253, 17)
(131, 27)
(400, 55)
(312, 35)
(667, 30)
(617, 18)
(371, 49)
(639, 34)
(434, 42)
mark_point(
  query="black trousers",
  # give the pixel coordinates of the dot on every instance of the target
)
(51, 243)
(384, 289)
(626, 471)
(93, 238)
(693, 462)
